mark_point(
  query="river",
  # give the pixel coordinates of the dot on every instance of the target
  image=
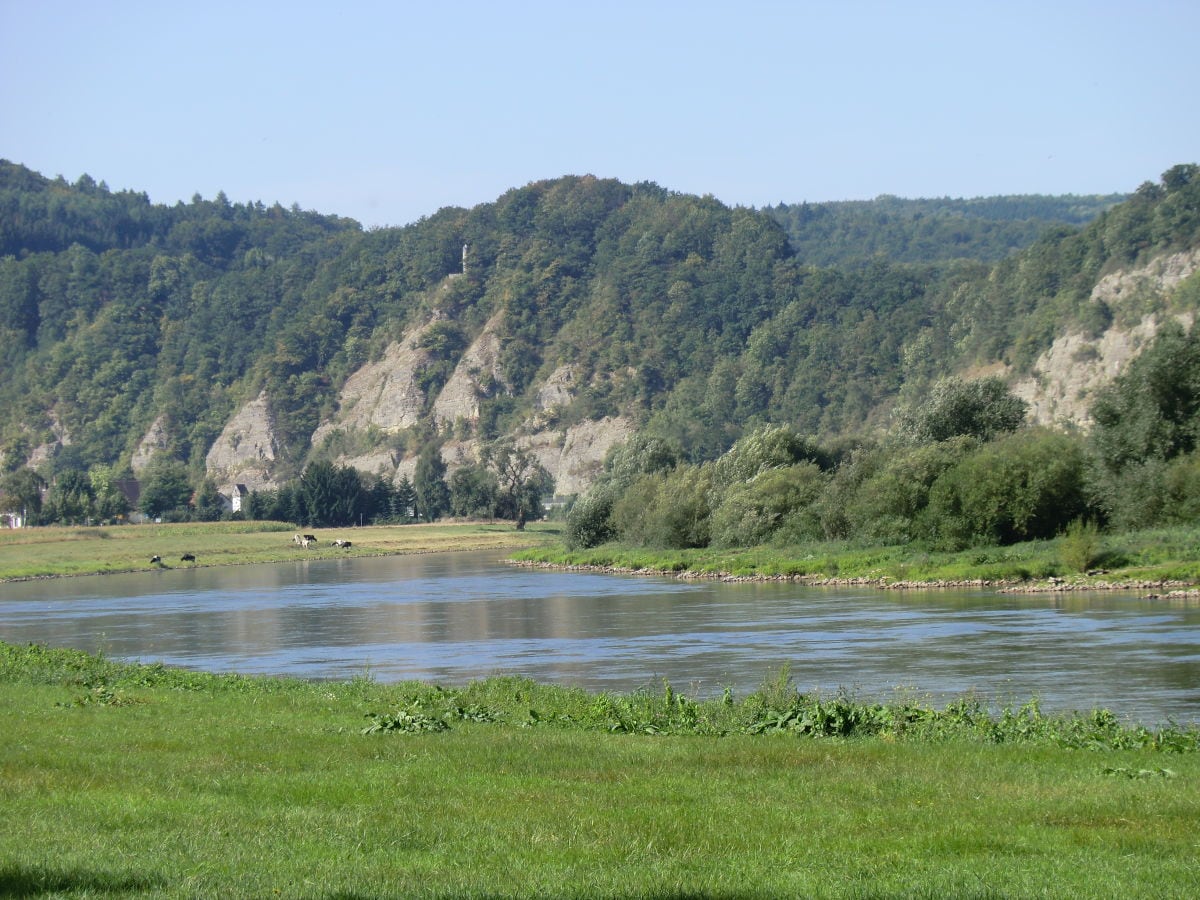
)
(454, 617)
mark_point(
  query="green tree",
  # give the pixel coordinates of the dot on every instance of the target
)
(983, 408)
(21, 492)
(331, 495)
(590, 520)
(474, 492)
(1152, 410)
(165, 486)
(208, 503)
(887, 504)
(70, 499)
(752, 511)
(521, 481)
(403, 503)
(1026, 486)
(1145, 419)
(429, 484)
(109, 503)
(666, 509)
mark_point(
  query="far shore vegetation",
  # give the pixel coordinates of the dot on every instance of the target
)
(1162, 560)
(125, 779)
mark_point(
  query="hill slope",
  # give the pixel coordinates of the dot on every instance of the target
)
(248, 341)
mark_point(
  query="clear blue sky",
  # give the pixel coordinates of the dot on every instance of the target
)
(388, 111)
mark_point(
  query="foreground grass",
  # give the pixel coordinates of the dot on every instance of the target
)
(123, 780)
(1158, 555)
(46, 552)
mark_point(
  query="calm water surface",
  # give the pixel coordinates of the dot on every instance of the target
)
(454, 617)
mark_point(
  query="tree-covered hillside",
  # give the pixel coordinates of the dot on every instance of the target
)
(924, 231)
(698, 321)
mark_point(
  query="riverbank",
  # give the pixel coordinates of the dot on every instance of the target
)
(1155, 589)
(51, 552)
(1159, 562)
(142, 779)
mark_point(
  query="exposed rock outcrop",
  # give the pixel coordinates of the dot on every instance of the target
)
(1066, 377)
(476, 375)
(43, 453)
(558, 390)
(155, 440)
(385, 393)
(247, 450)
(575, 457)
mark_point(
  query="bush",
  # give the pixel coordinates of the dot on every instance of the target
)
(984, 409)
(1026, 486)
(589, 523)
(887, 506)
(1079, 548)
(665, 510)
(753, 511)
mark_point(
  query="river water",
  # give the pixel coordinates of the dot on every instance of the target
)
(454, 617)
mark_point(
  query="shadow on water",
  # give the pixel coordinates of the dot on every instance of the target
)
(34, 881)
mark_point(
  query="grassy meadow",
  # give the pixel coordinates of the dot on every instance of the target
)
(1161, 555)
(124, 780)
(52, 551)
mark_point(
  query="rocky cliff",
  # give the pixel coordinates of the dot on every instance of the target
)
(246, 452)
(385, 394)
(384, 397)
(1065, 378)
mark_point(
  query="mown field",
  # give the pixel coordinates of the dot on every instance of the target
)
(47, 552)
(135, 780)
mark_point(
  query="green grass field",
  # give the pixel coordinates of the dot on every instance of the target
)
(126, 780)
(47, 552)
(1158, 555)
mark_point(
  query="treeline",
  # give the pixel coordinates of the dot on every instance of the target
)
(959, 468)
(507, 483)
(934, 230)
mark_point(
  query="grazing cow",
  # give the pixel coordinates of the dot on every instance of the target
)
(187, 557)
(156, 560)
(340, 543)
(304, 542)
(297, 540)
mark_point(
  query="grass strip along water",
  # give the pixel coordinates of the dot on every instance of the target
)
(27, 553)
(141, 779)
(1162, 559)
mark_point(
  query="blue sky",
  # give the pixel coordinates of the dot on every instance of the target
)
(388, 111)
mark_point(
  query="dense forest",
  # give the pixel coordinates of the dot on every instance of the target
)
(702, 323)
(923, 231)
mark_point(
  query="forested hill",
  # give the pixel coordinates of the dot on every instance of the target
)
(921, 231)
(577, 300)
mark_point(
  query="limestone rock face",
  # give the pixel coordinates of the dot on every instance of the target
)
(1066, 377)
(558, 390)
(385, 393)
(155, 439)
(247, 449)
(455, 454)
(378, 462)
(43, 453)
(575, 457)
(477, 372)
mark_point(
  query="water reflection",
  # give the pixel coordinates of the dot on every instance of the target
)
(453, 617)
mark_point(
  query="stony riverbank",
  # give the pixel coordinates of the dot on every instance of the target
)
(1152, 589)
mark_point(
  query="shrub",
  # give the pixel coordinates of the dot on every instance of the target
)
(1022, 487)
(751, 512)
(1079, 548)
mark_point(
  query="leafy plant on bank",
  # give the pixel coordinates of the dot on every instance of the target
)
(775, 708)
